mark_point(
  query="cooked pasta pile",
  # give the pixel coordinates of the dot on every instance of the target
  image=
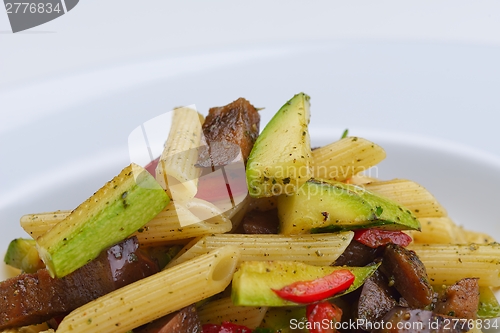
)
(212, 251)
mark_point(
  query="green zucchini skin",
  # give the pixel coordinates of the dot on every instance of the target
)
(114, 212)
(280, 160)
(488, 304)
(254, 280)
(22, 254)
(329, 206)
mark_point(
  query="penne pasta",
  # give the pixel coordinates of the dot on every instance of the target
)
(342, 159)
(338, 192)
(156, 296)
(41, 328)
(316, 249)
(176, 171)
(477, 237)
(219, 311)
(201, 218)
(237, 213)
(409, 194)
(360, 180)
(446, 264)
(438, 230)
(38, 224)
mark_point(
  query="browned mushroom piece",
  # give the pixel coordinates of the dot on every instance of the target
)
(407, 273)
(258, 222)
(375, 300)
(228, 130)
(357, 254)
(34, 298)
(183, 321)
(460, 300)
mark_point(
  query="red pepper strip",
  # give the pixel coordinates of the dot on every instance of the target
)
(226, 327)
(151, 167)
(376, 237)
(212, 186)
(318, 289)
(322, 317)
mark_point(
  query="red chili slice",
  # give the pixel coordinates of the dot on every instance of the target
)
(376, 237)
(212, 186)
(318, 289)
(151, 167)
(323, 316)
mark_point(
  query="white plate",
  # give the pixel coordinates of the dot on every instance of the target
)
(434, 108)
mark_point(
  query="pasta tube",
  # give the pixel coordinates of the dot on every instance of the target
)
(38, 224)
(176, 171)
(342, 159)
(410, 195)
(438, 230)
(446, 264)
(156, 296)
(200, 217)
(317, 249)
(237, 213)
(41, 328)
(477, 237)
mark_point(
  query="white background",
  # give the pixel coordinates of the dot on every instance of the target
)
(102, 32)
